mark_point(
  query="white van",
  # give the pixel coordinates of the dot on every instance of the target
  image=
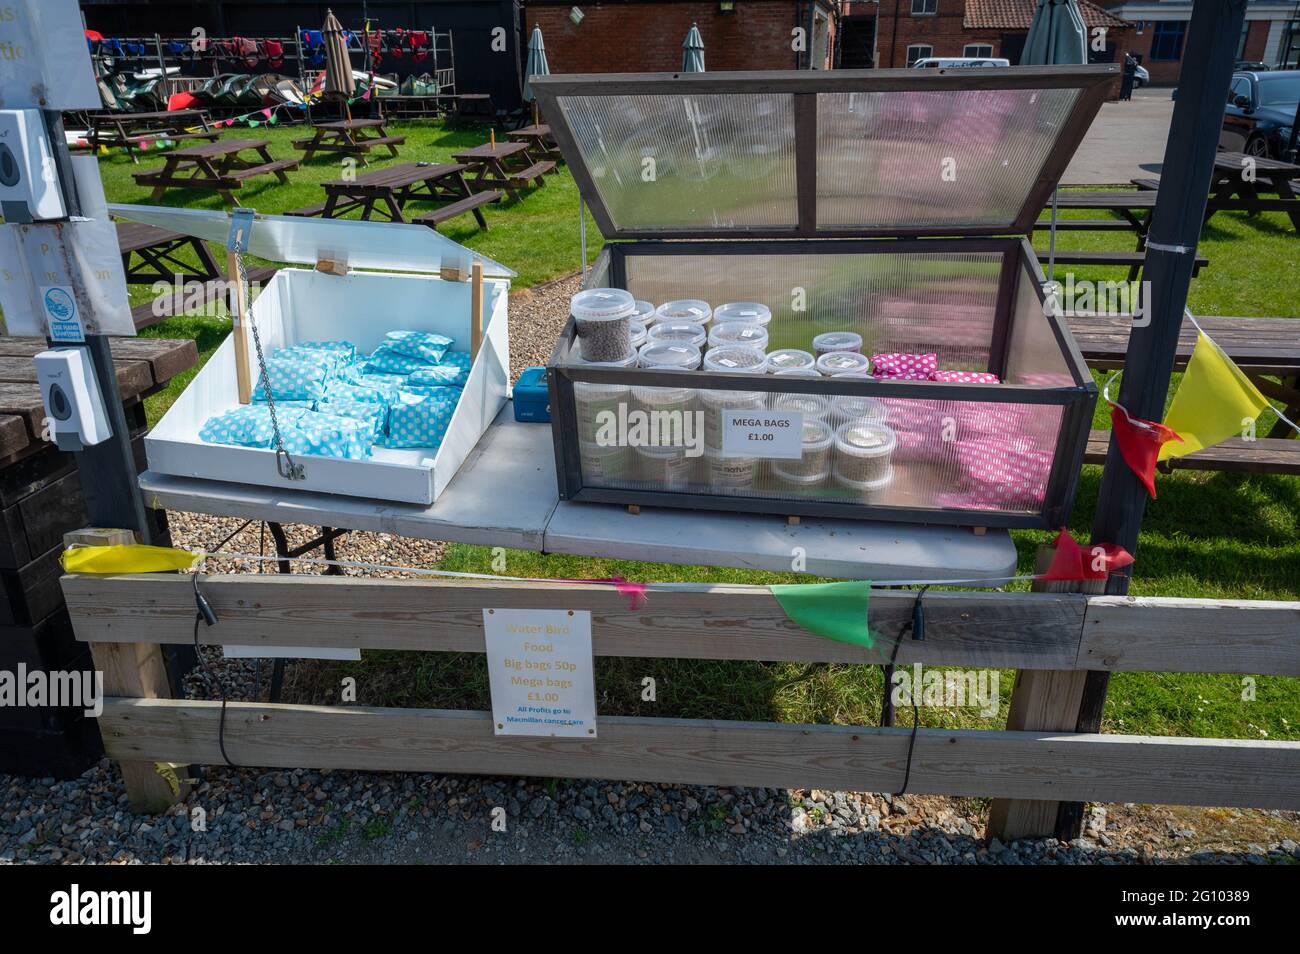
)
(951, 62)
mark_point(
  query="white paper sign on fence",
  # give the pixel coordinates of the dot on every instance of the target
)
(540, 672)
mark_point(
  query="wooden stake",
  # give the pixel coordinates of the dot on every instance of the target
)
(475, 309)
(492, 133)
(238, 320)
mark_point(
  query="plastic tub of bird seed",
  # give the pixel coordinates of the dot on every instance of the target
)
(677, 332)
(846, 407)
(863, 450)
(717, 403)
(837, 341)
(842, 362)
(729, 473)
(738, 333)
(591, 399)
(664, 468)
(667, 357)
(750, 311)
(816, 457)
(637, 330)
(603, 319)
(809, 405)
(742, 359)
(644, 311)
(685, 309)
(791, 359)
(864, 491)
(602, 463)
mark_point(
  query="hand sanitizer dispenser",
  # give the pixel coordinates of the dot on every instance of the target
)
(73, 404)
(29, 182)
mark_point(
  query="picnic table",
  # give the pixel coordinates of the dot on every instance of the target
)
(505, 165)
(356, 136)
(537, 136)
(385, 193)
(1264, 348)
(1232, 191)
(128, 130)
(215, 166)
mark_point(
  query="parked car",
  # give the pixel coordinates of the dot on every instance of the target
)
(1250, 66)
(1260, 112)
(950, 62)
(1141, 77)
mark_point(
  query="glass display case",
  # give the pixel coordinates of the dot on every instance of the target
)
(890, 207)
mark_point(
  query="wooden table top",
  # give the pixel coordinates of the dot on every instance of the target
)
(532, 132)
(349, 124)
(1258, 345)
(394, 177)
(133, 236)
(1123, 199)
(1231, 161)
(488, 151)
(144, 117)
(222, 147)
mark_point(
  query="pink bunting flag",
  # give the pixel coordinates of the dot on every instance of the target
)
(267, 112)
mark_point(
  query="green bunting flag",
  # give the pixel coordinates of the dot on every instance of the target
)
(835, 611)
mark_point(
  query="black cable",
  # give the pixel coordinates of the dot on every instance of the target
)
(230, 536)
(205, 614)
(915, 626)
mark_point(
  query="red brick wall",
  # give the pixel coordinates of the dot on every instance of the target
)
(647, 37)
(1256, 40)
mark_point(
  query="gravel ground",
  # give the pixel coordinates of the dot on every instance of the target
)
(306, 816)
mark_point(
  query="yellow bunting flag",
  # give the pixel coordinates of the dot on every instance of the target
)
(1213, 401)
(132, 558)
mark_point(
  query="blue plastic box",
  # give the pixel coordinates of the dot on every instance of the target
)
(532, 400)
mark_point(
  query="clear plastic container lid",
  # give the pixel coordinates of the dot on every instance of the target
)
(865, 439)
(670, 356)
(637, 331)
(685, 309)
(837, 341)
(739, 358)
(678, 332)
(738, 333)
(790, 359)
(602, 304)
(799, 480)
(841, 362)
(850, 408)
(645, 311)
(810, 405)
(865, 486)
(817, 435)
(750, 311)
(628, 362)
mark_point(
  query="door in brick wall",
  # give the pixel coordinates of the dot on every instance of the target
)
(857, 36)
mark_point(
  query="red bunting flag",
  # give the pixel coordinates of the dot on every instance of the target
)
(1139, 444)
(1073, 562)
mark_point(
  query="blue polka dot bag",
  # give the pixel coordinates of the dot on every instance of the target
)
(295, 376)
(371, 412)
(328, 435)
(425, 345)
(452, 370)
(248, 425)
(420, 417)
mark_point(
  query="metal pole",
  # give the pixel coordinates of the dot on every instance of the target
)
(582, 233)
(1170, 256)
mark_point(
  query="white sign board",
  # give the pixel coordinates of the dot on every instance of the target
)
(768, 434)
(540, 672)
(44, 59)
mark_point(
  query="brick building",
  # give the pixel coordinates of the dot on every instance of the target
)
(1271, 34)
(908, 30)
(646, 35)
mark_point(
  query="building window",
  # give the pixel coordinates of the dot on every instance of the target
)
(918, 51)
(925, 8)
(1167, 40)
(978, 49)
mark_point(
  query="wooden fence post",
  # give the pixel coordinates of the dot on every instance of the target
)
(139, 670)
(1046, 700)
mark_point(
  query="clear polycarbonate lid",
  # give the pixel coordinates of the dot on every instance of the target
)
(305, 241)
(821, 153)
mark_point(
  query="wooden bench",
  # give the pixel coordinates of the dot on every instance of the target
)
(536, 171)
(236, 176)
(160, 309)
(471, 203)
(308, 210)
(1264, 455)
(1084, 225)
(1134, 260)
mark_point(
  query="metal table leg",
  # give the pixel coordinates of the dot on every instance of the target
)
(282, 550)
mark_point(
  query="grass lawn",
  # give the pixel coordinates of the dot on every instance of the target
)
(1212, 535)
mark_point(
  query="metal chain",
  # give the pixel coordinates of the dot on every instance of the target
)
(284, 463)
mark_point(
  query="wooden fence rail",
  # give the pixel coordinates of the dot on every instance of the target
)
(124, 618)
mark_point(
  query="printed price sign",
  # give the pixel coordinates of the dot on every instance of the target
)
(771, 434)
(540, 672)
